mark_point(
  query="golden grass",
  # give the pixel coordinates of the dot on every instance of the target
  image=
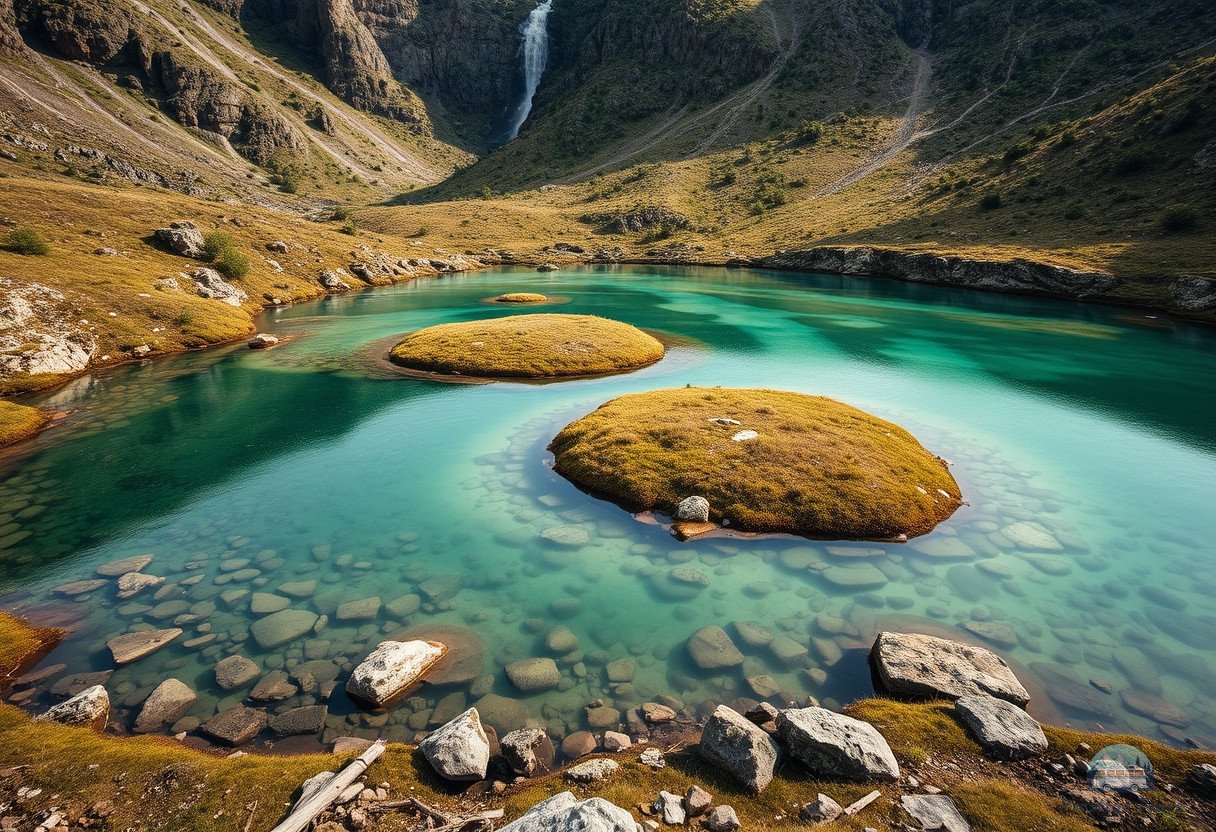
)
(528, 346)
(19, 421)
(819, 468)
(20, 643)
(521, 297)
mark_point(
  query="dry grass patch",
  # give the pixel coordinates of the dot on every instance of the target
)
(818, 468)
(19, 421)
(21, 644)
(528, 346)
(521, 297)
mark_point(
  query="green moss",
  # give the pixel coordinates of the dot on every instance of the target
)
(528, 346)
(818, 468)
(18, 421)
(19, 643)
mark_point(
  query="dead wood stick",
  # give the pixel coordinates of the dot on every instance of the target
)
(314, 804)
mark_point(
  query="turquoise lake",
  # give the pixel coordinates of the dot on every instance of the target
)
(1083, 437)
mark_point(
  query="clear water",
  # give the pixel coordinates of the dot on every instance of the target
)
(1095, 425)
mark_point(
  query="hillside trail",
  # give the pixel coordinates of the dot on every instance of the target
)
(905, 134)
(420, 171)
(676, 123)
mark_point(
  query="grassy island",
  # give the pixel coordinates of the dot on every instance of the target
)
(19, 421)
(522, 297)
(767, 461)
(528, 346)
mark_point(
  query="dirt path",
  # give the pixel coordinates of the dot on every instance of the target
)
(904, 136)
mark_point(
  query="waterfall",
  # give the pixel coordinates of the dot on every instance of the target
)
(535, 48)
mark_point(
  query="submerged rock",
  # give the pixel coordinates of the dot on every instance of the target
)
(235, 726)
(911, 664)
(131, 584)
(459, 750)
(710, 648)
(738, 747)
(280, 627)
(534, 675)
(392, 668)
(835, 745)
(1002, 728)
(235, 672)
(308, 719)
(90, 708)
(117, 568)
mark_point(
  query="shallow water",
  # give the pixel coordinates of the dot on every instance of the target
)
(1082, 436)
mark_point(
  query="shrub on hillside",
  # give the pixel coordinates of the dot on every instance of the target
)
(1180, 218)
(232, 264)
(991, 201)
(1132, 160)
(26, 241)
(216, 243)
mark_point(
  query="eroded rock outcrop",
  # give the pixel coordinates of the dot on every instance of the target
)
(1017, 275)
(392, 668)
(912, 664)
(835, 745)
(564, 812)
(740, 748)
(39, 333)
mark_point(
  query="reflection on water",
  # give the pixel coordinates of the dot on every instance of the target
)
(294, 479)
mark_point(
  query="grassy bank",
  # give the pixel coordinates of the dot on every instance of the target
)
(18, 422)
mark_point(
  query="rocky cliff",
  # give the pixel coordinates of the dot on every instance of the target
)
(1015, 275)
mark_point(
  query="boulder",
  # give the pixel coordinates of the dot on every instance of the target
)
(182, 237)
(652, 757)
(90, 709)
(365, 609)
(502, 713)
(131, 646)
(164, 706)
(534, 675)
(210, 284)
(561, 640)
(459, 750)
(1201, 780)
(739, 748)
(697, 801)
(332, 280)
(262, 341)
(834, 745)
(935, 811)
(564, 812)
(275, 686)
(131, 584)
(671, 808)
(235, 672)
(821, 810)
(591, 771)
(616, 741)
(528, 751)
(693, 510)
(710, 648)
(578, 744)
(722, 819)
(911, 664)
(391, 669)
(281, 627)
(1001, 727)
(656, 714)
(235, 726)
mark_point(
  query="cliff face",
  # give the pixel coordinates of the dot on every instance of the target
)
(10, 37)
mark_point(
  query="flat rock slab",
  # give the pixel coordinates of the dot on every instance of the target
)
(1159, 710)
(365, 609)
(131, 646)
(911, 664)
(168, 703)
(282, 627)
(131, 584)
(835, 745)
(309, 719)
(460, 749)
(117, 568)
(74, 588)
(391, 669)
(235, 726)
(710, 648)
(265, 603)
(740, 748)
(591, 771)
(1002, 728)
(275, 686)
(935, 811)
(564, 812)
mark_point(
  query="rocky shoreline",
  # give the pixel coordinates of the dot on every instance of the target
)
(732, 755)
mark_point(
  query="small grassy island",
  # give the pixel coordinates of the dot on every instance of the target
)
(522, 297)
(766, 460)
(18, 421)
(528, 346)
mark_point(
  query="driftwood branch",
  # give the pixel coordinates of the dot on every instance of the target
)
(313, 804)
(437, 820)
